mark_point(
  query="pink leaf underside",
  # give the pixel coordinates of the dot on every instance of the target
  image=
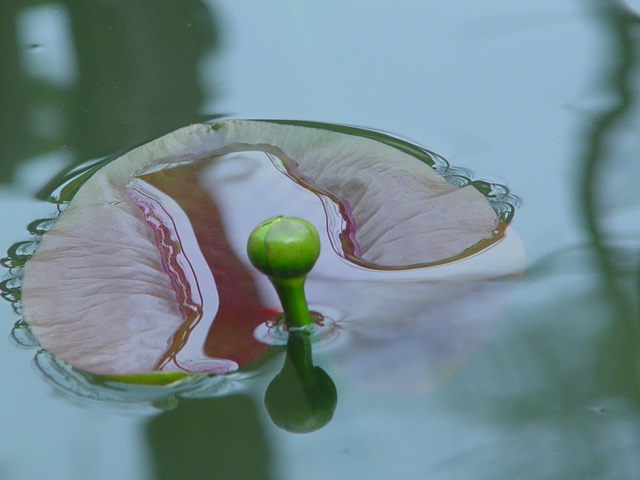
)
(97, 292)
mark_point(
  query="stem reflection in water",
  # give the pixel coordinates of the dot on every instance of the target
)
(302, 397)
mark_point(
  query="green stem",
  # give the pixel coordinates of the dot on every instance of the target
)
(294, 303)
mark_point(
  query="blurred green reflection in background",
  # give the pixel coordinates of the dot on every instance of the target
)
(97, 77)
(217, 438)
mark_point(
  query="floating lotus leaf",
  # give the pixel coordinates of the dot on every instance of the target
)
(146, 269)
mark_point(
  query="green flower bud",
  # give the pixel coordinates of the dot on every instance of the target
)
(284, 247)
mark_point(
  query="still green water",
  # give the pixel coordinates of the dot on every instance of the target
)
(539, 96)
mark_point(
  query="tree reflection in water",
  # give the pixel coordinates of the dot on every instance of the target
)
(136, 76)
(221, 438)
(563, 379)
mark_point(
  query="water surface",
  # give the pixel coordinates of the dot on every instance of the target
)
(538, 96)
